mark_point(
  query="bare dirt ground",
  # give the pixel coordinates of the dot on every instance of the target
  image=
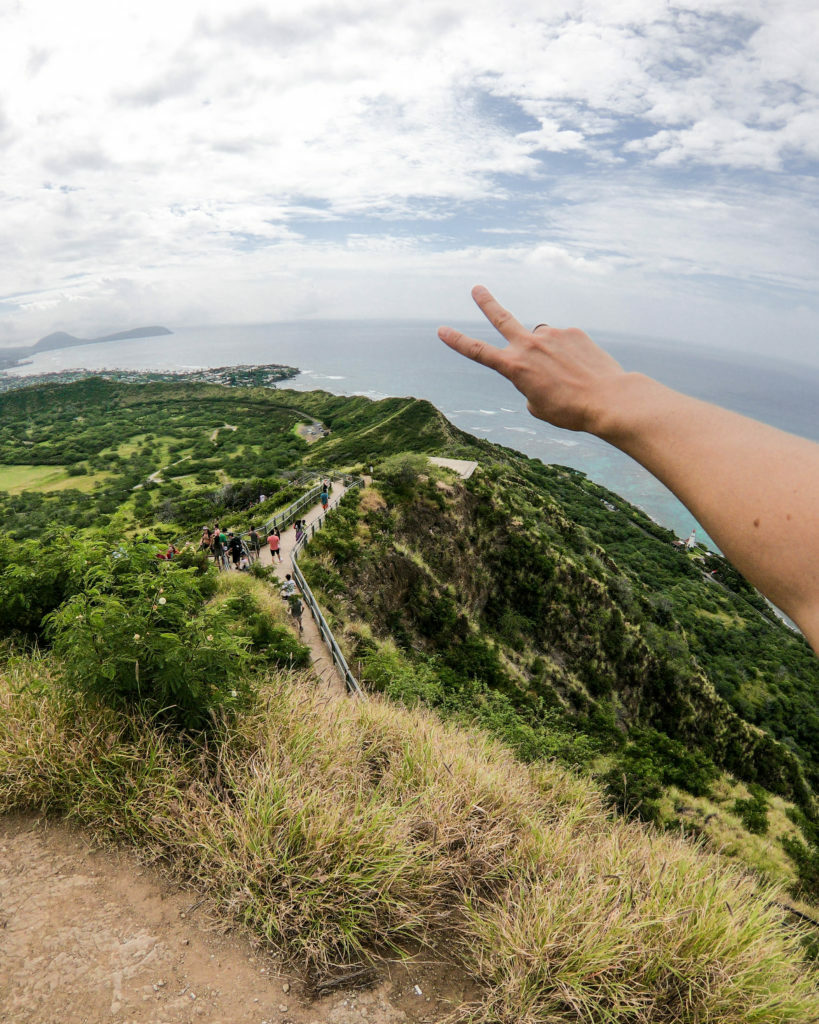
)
(90, 935)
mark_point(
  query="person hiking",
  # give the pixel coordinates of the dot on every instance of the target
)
(217, 549)
(297, 610)
(204, 543)
(289, 586)
(755, 489)
(274, 543)
(324, 498)
(254, 544)
(236, 548)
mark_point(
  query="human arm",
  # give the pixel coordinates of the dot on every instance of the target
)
(754, 488)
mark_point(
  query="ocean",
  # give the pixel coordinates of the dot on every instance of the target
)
(386, 358)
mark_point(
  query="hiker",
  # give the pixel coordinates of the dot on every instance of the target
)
(299, 530)
(254, 544)
(274, 543)
(225, 551)
(236, 547)
(204, 543)
(297, 610)
(324, 498)
(216, 548)
(219, 548)
(289, 586)
(755, 489)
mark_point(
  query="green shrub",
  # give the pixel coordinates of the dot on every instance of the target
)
(139, 634)
(754, 811)
(34, 580)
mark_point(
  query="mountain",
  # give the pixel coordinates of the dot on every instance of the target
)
(547, 673)
(60, 339)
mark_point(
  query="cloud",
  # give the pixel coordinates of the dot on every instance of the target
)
(175, 82)
(169, 160)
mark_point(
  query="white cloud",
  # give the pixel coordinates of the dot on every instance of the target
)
(179, 161)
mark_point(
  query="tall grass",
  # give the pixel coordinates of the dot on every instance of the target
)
(339, 831)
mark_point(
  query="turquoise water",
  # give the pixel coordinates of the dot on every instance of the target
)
(379, 359)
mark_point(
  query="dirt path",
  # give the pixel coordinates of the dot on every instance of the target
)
(90, 936)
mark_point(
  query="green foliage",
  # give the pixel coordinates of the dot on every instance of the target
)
(649, 762)
(399, 473)
(139, 634)
(273, 641)
(34, 580)
(754, 811)
(805, 852)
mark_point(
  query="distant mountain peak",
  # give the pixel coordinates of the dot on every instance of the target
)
(61, 339)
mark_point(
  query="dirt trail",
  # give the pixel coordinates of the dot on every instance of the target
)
(90, 935)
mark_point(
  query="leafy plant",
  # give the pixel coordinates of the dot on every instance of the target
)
(139, 634)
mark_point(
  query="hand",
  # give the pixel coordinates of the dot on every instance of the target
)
(562, 373)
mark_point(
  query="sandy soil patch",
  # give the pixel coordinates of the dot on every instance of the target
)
(90, 935)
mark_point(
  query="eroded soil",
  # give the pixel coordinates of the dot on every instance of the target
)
(90, 935)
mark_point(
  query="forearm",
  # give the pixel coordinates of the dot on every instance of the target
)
(755, 489)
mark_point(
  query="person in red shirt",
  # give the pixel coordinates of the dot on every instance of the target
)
(274, 542)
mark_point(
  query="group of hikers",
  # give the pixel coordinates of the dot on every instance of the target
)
(230, 550)
(236, 552)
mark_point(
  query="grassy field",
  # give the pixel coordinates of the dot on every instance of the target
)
(16, 479)
(340, 831)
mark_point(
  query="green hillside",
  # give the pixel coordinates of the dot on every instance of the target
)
(527, 605)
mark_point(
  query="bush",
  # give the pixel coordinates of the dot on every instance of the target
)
(399, 473)
(275, 642)
(754, 811)
(34, 580)
(139, 634)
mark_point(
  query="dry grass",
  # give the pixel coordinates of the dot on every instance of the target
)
(340, 830)
(714, 818)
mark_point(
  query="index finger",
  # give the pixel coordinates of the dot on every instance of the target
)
(479, 351)
(500, 318)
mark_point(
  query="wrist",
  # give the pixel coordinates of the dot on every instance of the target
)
(623, 406)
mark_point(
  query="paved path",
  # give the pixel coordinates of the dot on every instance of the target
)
(326, 671)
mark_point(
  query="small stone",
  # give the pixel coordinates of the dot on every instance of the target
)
(282, 1008)
(286, 987)
(160, 983)
(192, 995)
(417, 990)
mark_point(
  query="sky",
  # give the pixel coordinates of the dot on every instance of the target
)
(634, 166)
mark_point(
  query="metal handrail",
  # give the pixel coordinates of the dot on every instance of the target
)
(324, 630)
(285, 518)
(289, 514)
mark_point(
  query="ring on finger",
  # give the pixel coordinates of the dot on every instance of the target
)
(538, 325)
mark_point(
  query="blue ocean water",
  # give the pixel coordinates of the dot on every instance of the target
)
(384, 358)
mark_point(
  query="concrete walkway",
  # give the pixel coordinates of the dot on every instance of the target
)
(323, 666)
(463, 468)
